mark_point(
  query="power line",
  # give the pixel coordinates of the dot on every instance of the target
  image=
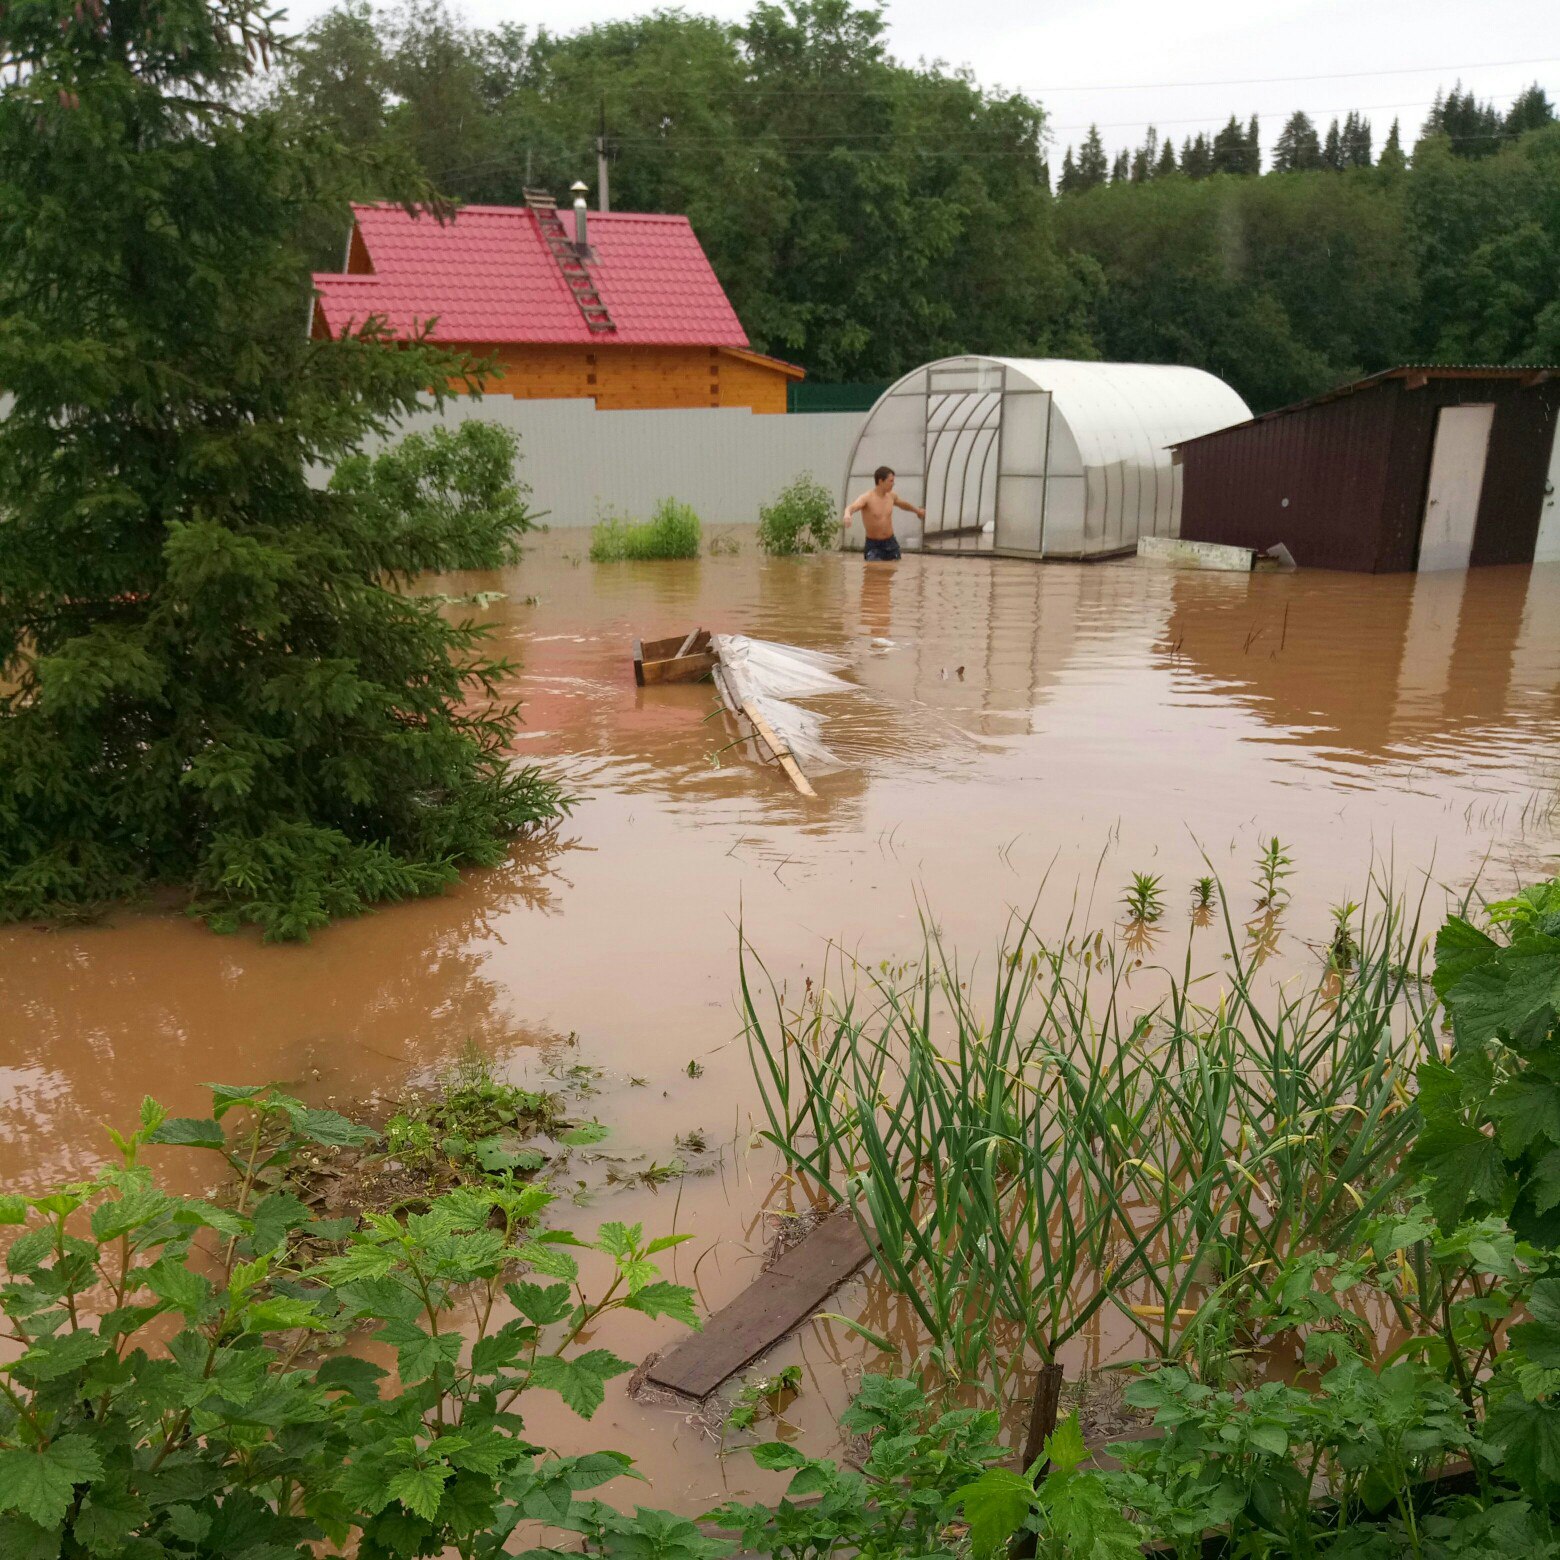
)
(941, 138)
(1262, 81)
(865, 90)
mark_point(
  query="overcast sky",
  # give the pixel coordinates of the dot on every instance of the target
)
(1184, 65)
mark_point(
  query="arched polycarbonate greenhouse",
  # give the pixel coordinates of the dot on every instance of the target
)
(1038, 457)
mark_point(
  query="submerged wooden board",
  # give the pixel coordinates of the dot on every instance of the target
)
(774, 1304)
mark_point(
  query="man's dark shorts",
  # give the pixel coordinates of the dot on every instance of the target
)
(884, 551)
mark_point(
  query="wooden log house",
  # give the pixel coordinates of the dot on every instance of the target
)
(632, 318)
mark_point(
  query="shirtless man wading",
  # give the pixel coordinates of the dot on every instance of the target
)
(877, 516)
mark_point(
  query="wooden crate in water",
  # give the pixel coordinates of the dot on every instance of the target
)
(683, 658)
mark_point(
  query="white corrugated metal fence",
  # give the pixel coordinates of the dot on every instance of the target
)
(725, 461)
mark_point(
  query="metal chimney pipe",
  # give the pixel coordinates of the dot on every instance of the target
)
(603, 195)
(577, 190)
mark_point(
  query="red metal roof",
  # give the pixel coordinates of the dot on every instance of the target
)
(487, 277)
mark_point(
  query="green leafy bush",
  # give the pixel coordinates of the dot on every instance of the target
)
(208, 678)
(1491, 1151)
(177, 1390)
(803, 519)
(903, 1500)
(672, 531)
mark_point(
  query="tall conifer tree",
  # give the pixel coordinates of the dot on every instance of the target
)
(1093, 166)
(1475, 129)
(1298, 148)
(1356, 146)
(207, 678)
(1232, 149)
(1332, 149)
(1197, 157)
(1392, 159)
(1531, 110)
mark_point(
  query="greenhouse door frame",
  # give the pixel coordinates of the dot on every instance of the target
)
(952, 402)
(954, 419)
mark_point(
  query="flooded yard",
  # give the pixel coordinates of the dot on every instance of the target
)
(1018, 725)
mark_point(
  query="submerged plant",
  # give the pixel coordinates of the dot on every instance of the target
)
(764, 1396)
(1205, 899)
(472, 1121)
(1144, 900)
(1273, 866)
(1343, 950)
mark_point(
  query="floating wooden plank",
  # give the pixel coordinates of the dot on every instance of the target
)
(782, 754)
(774, 1304)
(762, 729)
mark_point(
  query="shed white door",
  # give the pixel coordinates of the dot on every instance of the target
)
(1547, 548)
(1462, 438)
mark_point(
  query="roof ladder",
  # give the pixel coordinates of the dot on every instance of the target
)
(593, 309)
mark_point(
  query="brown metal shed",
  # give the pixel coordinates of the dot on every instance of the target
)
(1374, 476)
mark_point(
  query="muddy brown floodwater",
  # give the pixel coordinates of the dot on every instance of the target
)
(1087, 720)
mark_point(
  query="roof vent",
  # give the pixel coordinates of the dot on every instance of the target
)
(577, 190)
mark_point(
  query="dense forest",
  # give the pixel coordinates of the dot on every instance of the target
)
(866, 215)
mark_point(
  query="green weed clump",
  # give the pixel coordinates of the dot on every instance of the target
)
(474, 1122)
(672, 531)
(803, 519)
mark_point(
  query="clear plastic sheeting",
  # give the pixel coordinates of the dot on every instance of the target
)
(772, 676)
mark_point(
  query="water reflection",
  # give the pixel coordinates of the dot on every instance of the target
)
(1386, 669)
(94, 1017)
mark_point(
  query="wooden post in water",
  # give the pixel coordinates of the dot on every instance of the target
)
(1042, 1421)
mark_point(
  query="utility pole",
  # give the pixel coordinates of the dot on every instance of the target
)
(603, 196)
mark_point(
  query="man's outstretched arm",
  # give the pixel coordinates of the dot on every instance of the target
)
(904, 503)
(853, 509)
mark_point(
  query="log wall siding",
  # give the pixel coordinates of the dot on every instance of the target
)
(622, 379)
